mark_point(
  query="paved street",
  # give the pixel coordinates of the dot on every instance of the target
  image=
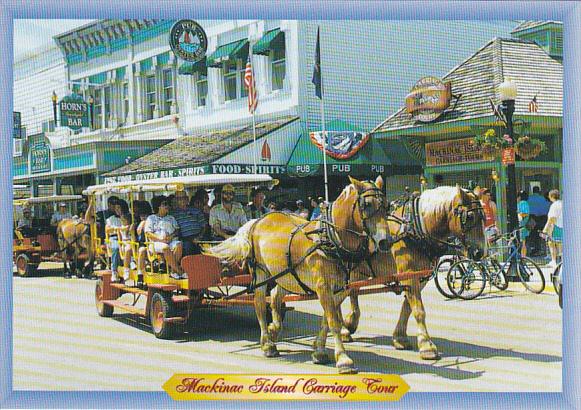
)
(504, 341)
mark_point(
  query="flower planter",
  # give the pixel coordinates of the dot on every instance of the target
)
(528, 151)
(489, 152)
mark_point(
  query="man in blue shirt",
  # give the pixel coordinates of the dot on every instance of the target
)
(191, 221)
(539, 208)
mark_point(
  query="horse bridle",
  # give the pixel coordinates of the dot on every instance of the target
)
(469, 216)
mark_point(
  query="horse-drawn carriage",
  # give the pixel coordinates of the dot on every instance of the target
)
(361, 246)
(37, 241)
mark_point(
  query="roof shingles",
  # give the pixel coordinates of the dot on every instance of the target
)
(476, 80)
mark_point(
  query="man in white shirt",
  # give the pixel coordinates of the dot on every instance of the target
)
(61, 214)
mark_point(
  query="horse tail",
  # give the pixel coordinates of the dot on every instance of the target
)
(234, 249)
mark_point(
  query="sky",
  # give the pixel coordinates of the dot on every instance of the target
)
(31, 34)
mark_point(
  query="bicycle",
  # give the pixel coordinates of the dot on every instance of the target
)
(443, 266)
(557, 283)
(467, 278)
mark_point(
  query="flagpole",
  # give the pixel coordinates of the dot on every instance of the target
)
(254, 159)
(254, 144)
(323, 118)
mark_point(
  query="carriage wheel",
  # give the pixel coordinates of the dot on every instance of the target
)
(23, 265)
(161, 308)
(102, 309)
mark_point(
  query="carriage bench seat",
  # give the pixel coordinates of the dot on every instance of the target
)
(238, 280)
(203, 271)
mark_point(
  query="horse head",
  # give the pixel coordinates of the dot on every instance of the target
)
(453, 211)
(362, 208)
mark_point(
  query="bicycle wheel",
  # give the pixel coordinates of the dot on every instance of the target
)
(555, 277)
(440, 275)
(498, 277)
(530, 275)
(467, 279)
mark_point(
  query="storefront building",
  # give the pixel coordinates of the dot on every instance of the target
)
(443, 139)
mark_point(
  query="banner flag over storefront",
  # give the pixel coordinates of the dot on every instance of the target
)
(340, 144)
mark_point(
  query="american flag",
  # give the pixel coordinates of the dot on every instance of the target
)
(534, 105)
(249, 82)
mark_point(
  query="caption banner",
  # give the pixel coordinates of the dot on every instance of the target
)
(359, 387)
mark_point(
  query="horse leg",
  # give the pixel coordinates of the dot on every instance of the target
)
(266, 343)
(276, 297)
(343, 361)
(319, 354)
(351, 322)
(427, 348)
(345, 332)
(400, 339)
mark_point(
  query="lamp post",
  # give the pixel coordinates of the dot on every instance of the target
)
(54, 99)
(508, 94)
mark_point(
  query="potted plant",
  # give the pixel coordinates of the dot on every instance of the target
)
(528, 148)
(490, 144)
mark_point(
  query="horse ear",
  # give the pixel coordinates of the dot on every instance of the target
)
(461, 194)
(357, 184)
(379, 182)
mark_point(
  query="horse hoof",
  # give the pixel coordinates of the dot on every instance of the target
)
(348, 370)
(429, 354)
(402, 343)
(271, 351)
(321, 358)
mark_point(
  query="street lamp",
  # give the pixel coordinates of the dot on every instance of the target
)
(54, 99)
(91, 102)
(508, 93)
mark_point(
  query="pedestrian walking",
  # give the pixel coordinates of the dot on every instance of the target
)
(553, 229)
(539, 208)
(524, 212)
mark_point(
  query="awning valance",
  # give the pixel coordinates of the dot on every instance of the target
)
(271, 40)
(193, 68)
(235, 50)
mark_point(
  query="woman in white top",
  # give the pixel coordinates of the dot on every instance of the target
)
(553, 230)
(162, 230)
(112, 224)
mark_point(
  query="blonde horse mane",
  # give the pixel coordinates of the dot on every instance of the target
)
(435, 204)
(234, 249)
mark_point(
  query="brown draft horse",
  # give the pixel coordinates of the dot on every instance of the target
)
(444, 212)
(304, 257)
(73, 236)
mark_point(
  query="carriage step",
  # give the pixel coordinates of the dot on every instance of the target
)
(128, 289)
(126, 307)
(177, 319)
(180, 298)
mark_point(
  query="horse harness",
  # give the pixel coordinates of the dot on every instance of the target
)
(328, 242)
(76, 239)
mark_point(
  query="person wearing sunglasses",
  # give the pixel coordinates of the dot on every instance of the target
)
(228, 216)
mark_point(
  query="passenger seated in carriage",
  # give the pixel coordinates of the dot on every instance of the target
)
(112, 225)
(143, 212)
(228, 216)
(59, 215)
(24, 225)
(162, 230)
(191, 222)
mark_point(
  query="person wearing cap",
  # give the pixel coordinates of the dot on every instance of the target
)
(301, 210)
(60, 214)
(489, 209)
(256, 208)
(227, 216)
(24, 224)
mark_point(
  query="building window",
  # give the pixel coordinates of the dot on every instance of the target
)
(149, 97)
(278, 67)
(107, 105)
(48, 126)
(97, 109)
(125, 97)
(230, 80)
(202, 89)
(168, 91)
(241, 72)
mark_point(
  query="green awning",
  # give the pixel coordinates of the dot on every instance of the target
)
(193, 68)
(374, 158)
(98, 78)
(271, 40)
(235, 50)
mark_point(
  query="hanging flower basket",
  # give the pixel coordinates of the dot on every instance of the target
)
(489, 152)
(528, 148)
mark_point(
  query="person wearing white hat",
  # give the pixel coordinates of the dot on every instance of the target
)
(60, 214)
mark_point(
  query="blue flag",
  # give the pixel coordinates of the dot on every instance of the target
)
(317, 70)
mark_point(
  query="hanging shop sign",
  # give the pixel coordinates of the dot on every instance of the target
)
(74, 112)
(188, 40)
(340, 144)
(508, 156)
(452, 152)
(428, 99)
(17, 124)
(39, 155)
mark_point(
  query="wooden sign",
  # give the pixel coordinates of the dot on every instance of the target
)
(452, 152)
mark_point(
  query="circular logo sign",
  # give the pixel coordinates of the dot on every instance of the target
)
(428, 99)
(188, 40)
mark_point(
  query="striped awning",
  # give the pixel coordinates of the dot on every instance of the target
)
(235, 50)
(271, 40)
